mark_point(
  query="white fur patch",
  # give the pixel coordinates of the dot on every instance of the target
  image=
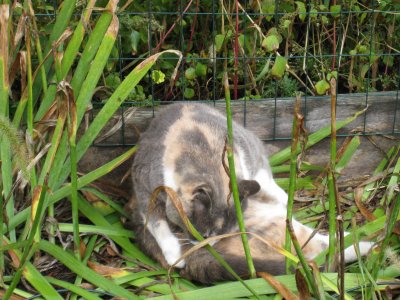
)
(243, 166)
(264, 210)
(169, 179)
(167, 241)
(350, 253)
(269, 186)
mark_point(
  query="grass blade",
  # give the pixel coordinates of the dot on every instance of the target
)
(97, 219)
(314, 138)
(5, 152)
(112, 104)
(106, 230)
(332, 180)
(37, 210)
(83, 271)
(61, 23)
(73, 288)
(233, 182)
(85, 60)
(65, 191)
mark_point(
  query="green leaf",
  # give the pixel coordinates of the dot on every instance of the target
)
(388, 60)
(364, 70)
(83, 271)
(73, 288)
(321, 87)
(313, 13)
(234, 290)
(219, 42)
(301, 8)
(268, 9)
(190, 73)
(157, 76)
(353, 52)
(362, 18)
(201, 70)
(335, 10)
(333, 74)
(362, 49)
(279, 67)
(113, 80)
(286, 24)
(325, 20)
(271, 43)
(284, 155)
(188, 93)
(134, 38)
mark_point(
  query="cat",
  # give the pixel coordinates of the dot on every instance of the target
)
(184, 149)
(266, 218)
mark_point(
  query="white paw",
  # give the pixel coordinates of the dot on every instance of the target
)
(167, 241)
(172, 256)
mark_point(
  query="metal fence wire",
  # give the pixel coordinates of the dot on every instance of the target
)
(283, 48)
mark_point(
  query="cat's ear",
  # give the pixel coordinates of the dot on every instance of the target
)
(248, 188)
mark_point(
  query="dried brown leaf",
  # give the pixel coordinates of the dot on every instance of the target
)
(12, 297)
(302, 286)
(35, 201)
(4, 24)
(278, 286)
(106, 271)
(358, 192)
(120, 121)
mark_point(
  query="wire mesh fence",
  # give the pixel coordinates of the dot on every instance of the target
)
(272, 50)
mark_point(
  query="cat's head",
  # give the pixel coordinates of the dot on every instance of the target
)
(209, 211)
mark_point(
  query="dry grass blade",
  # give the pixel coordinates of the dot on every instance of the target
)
(107, 271)
(13, 297)
(302, 287)
(278, 286)
(4, 53)
(204, 243)
(358, 192)
(126, 116)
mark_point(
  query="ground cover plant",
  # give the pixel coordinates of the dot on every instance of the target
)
(60, 232)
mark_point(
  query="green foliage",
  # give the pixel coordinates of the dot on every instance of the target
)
(50, 100)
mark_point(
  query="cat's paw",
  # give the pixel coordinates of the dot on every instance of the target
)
(172, 256)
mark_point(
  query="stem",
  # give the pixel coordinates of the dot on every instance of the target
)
(29, 112)
(39, 197)
(302, 259)
(293, 172)
(232, 174)
(74, 197)
(4, 151)
(37, 44)
(236, 54)
(331, 178)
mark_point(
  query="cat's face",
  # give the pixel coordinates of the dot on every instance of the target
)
(210, 214)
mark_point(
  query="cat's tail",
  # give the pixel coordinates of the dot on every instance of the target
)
(203, 267)
(350, 253)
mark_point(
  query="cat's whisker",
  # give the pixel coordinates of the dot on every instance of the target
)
(185, 244)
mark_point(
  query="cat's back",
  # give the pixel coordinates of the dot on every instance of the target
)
(180, 136)
(184, 146)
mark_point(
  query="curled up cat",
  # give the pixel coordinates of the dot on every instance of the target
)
(184, 149)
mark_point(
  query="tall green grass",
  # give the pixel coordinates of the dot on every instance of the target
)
(60, 82)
